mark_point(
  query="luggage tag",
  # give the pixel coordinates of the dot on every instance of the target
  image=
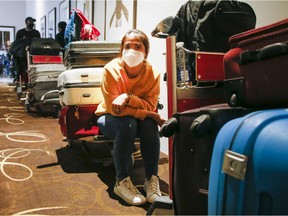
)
(76, 113)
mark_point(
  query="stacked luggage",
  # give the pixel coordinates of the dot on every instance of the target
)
(214, 168)
(249, 167)
(90, 53)
(230, 158)
(45, 64)
(199, 114)
(195, 76)
(79, 89)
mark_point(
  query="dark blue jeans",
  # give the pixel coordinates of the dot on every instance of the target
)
(124, 130)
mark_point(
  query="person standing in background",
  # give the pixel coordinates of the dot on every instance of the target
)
(6, 62)
(60, 35)
(27, 34)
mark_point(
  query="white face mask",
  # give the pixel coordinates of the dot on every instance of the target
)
(132, 57)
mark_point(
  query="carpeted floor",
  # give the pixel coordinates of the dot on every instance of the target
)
(40, 175)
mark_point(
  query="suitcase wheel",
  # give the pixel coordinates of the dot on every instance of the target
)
(28, 108)
(57, 113)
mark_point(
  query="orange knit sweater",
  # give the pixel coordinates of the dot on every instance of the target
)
(145, 89)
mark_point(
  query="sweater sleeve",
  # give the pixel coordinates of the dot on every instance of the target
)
(148, 101)
(109, 90)
(139, 105)
(145, 92)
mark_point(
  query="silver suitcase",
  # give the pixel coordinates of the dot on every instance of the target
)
(90, 53)
(45, 72)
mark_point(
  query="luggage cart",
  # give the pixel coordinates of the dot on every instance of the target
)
(42, 93)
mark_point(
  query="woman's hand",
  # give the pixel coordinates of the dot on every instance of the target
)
(156, 117)
(119, 103)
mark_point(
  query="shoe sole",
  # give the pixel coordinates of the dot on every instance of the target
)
(151, 201)
(148, 199)
(126, 200)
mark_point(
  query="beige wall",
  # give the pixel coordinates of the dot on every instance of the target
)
(12, 13)
(268, 12)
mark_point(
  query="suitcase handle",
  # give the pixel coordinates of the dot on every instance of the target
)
(269, 51)
(46, 47)
(49, 92)
(86, 95)
(169, 127)
(53, 76)
(201, 125)
(273, 50)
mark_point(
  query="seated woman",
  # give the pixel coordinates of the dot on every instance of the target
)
(131, 88)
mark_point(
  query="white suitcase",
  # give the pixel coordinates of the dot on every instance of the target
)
(80, 86)
(45, 72)
(80, 75)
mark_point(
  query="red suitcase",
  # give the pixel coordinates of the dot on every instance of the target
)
(78, 121)
(78, 125)
(255, 67)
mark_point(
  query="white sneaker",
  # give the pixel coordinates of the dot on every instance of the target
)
(128, 192)
(152, 189)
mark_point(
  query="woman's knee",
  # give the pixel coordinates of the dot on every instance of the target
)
(111, 123)
(148, 124)
(129, 123)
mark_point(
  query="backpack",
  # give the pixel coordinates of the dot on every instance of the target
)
(86, 29)
(17, 47)
(79, 28)
(207, 25)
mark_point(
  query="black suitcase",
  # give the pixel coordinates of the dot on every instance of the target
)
(193, 141)
(44, 46)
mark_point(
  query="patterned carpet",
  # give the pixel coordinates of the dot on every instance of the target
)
(40, 175)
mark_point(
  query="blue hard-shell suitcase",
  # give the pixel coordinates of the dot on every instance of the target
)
(249, 166)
